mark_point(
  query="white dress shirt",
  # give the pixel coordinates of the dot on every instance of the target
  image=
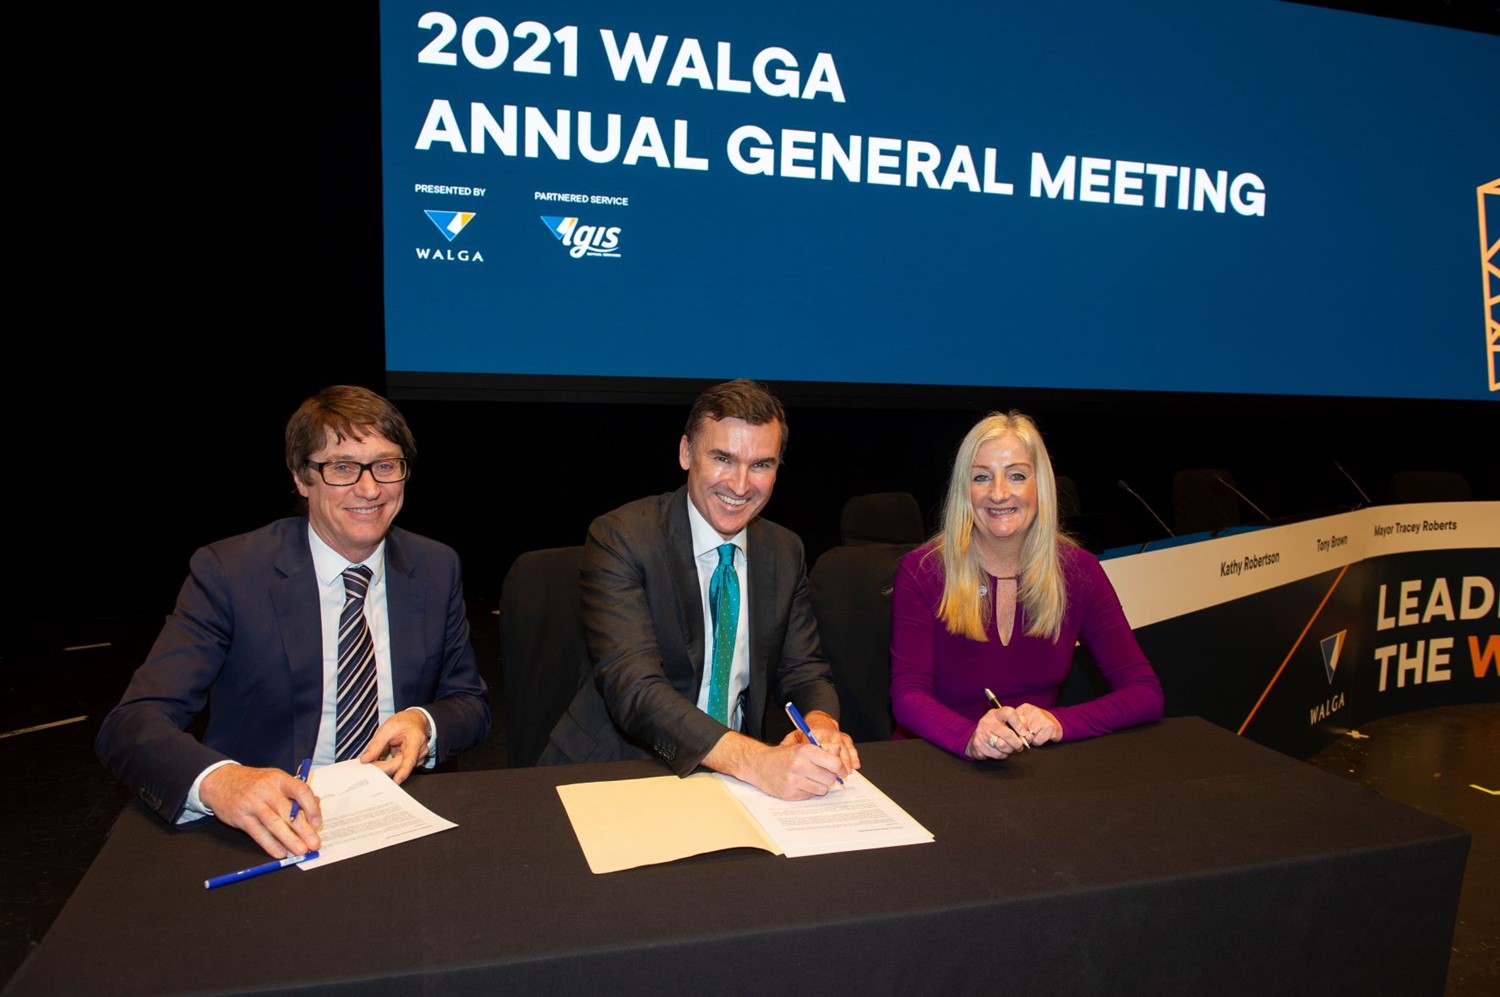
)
(706, 543)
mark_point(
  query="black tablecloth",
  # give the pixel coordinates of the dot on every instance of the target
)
(1170, 859)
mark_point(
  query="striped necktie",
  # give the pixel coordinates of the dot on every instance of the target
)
(358, 708)
(724, 609)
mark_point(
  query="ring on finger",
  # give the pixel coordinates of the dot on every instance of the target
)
(993, 740)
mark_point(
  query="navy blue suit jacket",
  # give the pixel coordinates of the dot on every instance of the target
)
(246, 641)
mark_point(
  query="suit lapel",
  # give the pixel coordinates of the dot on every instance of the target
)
(762, 621)
(683, 569)
(294, 594)
(405, 599)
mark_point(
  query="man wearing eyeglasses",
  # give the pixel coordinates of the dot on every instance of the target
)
(331, 636)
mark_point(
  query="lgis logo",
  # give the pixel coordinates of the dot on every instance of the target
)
(450, 223)
(584, 240)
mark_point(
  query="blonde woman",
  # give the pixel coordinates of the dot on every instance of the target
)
(996, 601)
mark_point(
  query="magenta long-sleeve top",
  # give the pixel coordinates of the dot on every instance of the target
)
(938, 678)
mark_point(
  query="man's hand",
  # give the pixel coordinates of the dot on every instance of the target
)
(789, 771)
(825, 730)
(257, 801)
(399, 745)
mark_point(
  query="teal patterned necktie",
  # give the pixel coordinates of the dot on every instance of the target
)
(724, 610)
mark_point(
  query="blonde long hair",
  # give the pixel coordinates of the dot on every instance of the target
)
(1041, 590)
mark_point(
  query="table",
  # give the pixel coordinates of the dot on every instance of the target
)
(1174, 858)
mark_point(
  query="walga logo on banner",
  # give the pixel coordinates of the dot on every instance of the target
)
(1332, 647)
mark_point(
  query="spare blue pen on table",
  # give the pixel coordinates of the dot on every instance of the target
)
(256, 870)
(303, 771)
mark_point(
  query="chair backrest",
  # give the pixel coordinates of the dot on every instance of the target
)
(1201, 501)
(543, 657)
(1069, 505)
(1428, 486)
(882, 518)
(851, 598)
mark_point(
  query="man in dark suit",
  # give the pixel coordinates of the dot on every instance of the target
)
(328, 637)
(685, 666)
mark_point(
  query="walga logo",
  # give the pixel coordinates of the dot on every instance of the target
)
(584, 240)
(1332, 647)
(450, 223)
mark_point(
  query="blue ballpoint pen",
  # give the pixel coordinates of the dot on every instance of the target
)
(303, 771)
(258, 870)
(796, 715)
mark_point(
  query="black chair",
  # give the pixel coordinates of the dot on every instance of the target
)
(1202, 501)
(543, 657)
(882, 518)
(851, 598)
(1428, 486)
(1081, 526)
(1069, 506)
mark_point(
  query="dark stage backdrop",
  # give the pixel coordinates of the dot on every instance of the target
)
(199, 248)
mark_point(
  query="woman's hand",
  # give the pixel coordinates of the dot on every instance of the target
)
(1004, 731)
(1038, 725)
(994, 737)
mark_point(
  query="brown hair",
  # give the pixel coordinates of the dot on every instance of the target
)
(351, 413)
(737, 399)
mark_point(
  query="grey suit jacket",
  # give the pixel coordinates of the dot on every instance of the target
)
(246, 640)
(643, 621)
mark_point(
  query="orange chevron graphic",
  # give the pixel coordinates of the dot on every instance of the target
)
(1489, 261)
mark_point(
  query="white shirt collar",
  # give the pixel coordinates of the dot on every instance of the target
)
(706, 538)
(329, 564)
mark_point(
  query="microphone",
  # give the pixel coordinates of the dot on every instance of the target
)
(1225, 482)
(1361, 491)
(1145, 505)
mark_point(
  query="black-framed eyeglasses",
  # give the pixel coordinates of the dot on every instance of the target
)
(340, 473)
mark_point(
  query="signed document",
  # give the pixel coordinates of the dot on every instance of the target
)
(364, 811)
(849, 818)
(635, 822)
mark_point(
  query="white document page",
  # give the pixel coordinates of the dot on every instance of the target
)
(364, 811)
(847, 819)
